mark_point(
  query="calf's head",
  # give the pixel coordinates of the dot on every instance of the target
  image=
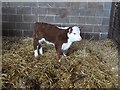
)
(74, 34)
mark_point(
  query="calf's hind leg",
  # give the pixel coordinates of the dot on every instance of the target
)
(36, 45)
(37, 48)
(40, 45)
(40, 49)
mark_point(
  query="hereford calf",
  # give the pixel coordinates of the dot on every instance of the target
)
(62, 38)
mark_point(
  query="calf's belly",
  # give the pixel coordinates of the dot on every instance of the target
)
(44, 40)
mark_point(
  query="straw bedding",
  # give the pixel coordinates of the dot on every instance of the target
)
(90, 64)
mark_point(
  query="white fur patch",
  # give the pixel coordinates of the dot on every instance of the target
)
(59, 60)
(64, 54)
(66, 46)
(36, 53)
(63, 27)
(43, 40)
(41, 51)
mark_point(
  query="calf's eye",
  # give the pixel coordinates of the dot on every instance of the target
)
(74, 33)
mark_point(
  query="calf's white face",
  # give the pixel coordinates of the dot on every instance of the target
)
(74, 35)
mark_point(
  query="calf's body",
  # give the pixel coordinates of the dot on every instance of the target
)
(51, 34)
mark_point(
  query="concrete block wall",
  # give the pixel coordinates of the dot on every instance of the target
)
(18, 17)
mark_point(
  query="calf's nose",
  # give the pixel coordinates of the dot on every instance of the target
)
(80, 38)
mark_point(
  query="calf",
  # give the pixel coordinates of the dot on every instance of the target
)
(62, 38)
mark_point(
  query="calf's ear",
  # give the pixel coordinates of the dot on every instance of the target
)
(70, 30)
(81, 28)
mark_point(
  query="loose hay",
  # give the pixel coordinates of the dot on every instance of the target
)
(90, 64)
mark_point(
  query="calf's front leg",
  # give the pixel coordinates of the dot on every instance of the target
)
(64, 52)
(58, 50)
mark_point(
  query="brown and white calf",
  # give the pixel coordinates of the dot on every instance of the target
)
(62, 38)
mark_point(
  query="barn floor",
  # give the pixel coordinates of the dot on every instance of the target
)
(90, 64)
